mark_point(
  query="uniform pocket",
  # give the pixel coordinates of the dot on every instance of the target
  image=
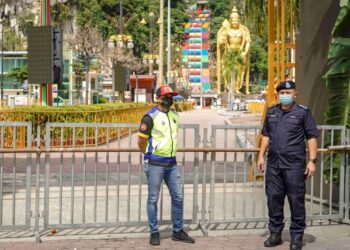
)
(293, 120)
(293, 124)
(272, 121)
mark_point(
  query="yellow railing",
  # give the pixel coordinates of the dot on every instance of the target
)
(255, 107)
(69, 115)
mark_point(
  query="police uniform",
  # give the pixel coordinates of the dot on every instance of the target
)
(286, 162)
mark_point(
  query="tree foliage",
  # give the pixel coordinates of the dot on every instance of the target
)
(338, 74)
(258, 59)
(87, 42)
(19, 75)
(338, 83)
(233, 62)
(106, 17)
(60, 13)
(13, 41)
(15, 34)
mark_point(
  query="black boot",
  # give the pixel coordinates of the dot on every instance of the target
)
(296, 245)
(182, 236)
(154, 239)
(274, 240)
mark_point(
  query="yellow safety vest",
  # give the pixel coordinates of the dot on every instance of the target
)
(162, 143)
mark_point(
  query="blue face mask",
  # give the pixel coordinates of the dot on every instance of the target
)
(286, 99)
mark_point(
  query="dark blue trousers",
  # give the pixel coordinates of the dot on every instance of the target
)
(282, 182)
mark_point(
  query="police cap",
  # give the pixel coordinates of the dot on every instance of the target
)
(286, 85)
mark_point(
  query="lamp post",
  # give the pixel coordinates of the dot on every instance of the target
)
(169, 43)
(150, 60)
(161, 43)
(119, 42)
(151, 57)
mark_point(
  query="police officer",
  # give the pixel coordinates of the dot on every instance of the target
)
(158, 141)
(286, 126)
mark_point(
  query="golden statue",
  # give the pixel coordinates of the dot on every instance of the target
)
(233, 36)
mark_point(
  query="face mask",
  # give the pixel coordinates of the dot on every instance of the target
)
(167, 102)
(286, 99)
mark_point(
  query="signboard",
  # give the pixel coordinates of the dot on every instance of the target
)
(21, 100)
(54, 90)
(140, 95)
(40, 54)
(127, 96)
(119, 78)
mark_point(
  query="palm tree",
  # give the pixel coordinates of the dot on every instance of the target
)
(256, 12)
(232, 64)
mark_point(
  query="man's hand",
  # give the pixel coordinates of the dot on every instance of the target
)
(310, 169)
(261, 164)
(142, 142)
(261, 156)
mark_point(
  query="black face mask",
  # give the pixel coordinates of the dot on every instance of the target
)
(167, 102)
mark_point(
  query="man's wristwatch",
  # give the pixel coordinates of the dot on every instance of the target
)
(314, 160)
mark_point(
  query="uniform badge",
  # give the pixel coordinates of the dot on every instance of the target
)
(288, 85)
(143, 127)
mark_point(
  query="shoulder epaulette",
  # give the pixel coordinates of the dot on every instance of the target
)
(303, 107)
(273, 107)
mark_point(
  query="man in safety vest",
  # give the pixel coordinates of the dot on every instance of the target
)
(158, 141)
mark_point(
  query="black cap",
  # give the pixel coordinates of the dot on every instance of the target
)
(286, 85)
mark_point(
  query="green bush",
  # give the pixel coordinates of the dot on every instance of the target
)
(102, 99)
(183, 106)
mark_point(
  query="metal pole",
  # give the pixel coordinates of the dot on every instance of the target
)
(137, 87)
(2, 59)
(87, 93)
(161, 43)
(169, 43)
(113, 81)
(271, 98)
(121, 28)
(151, 21)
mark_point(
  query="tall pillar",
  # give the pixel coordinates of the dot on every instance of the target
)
(45, 20)
(161, 44)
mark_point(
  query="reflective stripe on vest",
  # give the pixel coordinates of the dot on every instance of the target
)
(162, 143)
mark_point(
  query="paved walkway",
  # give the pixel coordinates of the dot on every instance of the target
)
(330, 237)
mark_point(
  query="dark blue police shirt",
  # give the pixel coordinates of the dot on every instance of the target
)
(287, 130)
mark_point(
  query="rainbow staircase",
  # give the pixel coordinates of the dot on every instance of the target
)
(195, 51)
